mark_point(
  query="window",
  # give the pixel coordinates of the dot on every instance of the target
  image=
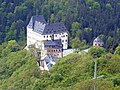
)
(47, 36)
(44, 36)
(66, 40)
(62, 40)
(66, 35)
(55, 35)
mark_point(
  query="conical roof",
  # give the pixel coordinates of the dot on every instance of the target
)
(98, 39)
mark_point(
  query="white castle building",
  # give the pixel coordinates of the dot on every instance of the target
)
(51, 39)
(39, 30)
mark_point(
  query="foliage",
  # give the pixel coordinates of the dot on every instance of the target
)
(17, 67)
(96, 16)
(19, 71)
(77, 44)
(117, 51)
(96, 51)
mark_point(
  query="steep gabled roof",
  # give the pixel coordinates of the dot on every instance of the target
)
(39, 25)
(54, 28)
(38, 18)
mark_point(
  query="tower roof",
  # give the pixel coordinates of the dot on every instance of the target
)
(98, 39)
(38, 18)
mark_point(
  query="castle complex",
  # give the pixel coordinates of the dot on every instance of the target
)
(51, 39)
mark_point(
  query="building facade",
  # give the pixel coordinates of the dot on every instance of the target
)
(50, 39)
(39, 30)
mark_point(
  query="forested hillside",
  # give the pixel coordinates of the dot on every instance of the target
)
(84, 19)
(19, 70)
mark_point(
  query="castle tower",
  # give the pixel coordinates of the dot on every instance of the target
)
(98, 42)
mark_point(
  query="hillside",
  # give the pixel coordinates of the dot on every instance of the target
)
(19, 71)
(85, 19)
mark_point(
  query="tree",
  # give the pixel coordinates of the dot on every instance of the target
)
(117, 50)
(109, 42)
(76, 43)
(75, 28)
(96, 52)
(96, 5)
(13, 45)
(108, 6)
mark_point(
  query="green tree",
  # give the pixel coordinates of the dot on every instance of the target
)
(75, 28)
(117, 50)
(96, 52)
(108, 6)
(96, 5)
(13, 45)
(76, 43)
(109, 42)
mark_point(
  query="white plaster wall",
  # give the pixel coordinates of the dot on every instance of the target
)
(62, 36)
(29, 30)
(64, 40)
(45, 66)
(97, 43)
(32, 37)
